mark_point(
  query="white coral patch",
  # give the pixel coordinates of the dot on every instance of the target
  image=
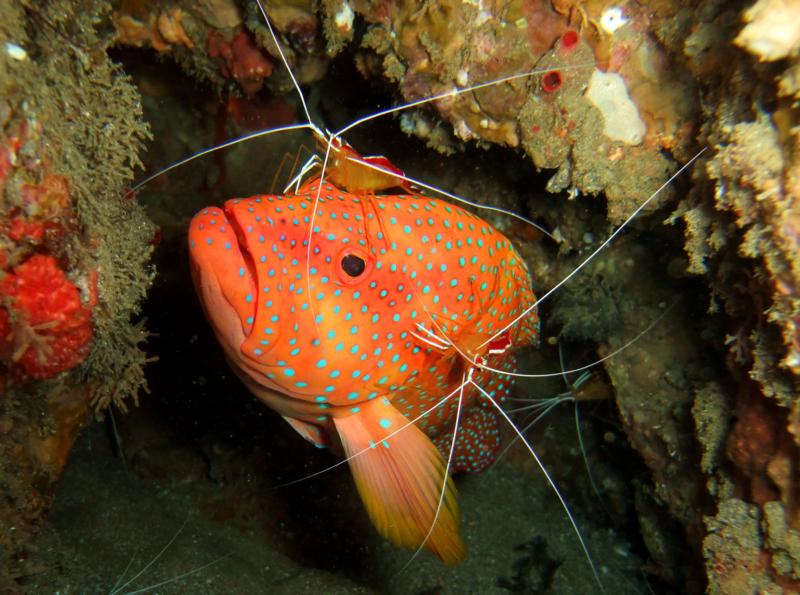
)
(483, 16)
(463, 131)
(612, 19)
(773, 29)
(343, 19)
(15, 51)
(607, 91)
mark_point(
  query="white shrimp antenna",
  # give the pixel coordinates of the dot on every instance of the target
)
(286, 63)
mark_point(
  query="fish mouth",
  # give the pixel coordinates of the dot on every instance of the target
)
(244, 248)
(224, 273)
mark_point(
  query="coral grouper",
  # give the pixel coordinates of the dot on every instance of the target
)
(353, 337)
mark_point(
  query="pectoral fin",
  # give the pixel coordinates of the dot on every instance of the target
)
(400, 476)
(308, 431)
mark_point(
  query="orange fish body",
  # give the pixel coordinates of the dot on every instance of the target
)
(367, 328)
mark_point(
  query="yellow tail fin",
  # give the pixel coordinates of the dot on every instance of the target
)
(400, 477)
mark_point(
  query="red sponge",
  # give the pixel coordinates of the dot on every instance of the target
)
(45, 328)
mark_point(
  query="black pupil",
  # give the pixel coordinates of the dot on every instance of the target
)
(353, 265)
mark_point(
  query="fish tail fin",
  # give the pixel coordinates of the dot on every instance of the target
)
(400, 476)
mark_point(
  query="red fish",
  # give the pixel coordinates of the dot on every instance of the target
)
(376, 322)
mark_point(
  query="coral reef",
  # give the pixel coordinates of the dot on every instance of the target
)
(45, 322)
(601, 105)
(746, 244)
(73, 251)
(733, 550)
(240, 59)
(224, 41)
(162, 31)
(44, 328)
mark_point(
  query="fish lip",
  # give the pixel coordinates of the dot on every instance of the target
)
(244, 250)
(218, 267)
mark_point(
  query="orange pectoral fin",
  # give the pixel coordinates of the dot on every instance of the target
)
(308, 431)
(400, 476)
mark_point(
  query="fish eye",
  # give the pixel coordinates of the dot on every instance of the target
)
(353, 265)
